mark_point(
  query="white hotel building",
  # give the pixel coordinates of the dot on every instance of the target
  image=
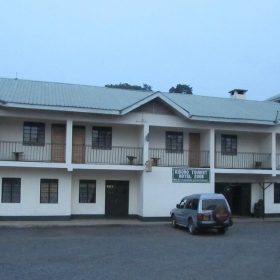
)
(82, 151)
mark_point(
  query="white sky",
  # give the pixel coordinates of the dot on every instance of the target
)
(212, 45)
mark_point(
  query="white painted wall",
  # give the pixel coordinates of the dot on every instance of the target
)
(160, 195)
(256, 194)
(100, 177)
(270, 206)
(30, 193)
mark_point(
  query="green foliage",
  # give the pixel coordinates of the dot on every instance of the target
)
(181, 88)
(145, 87)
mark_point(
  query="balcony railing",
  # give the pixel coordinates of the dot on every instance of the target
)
(17, 151)
(114, 156)
(243, 161)
(162, 157)
(277, 161)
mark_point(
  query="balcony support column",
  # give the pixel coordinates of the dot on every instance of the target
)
(273, 153)
(69, 135)
(146, 137)
(212, 159)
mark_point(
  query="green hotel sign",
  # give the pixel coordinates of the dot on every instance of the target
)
(190, 175)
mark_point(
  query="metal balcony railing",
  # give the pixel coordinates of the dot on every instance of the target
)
(243, 161)
(114, 156)
(17, 151)
(163, 157)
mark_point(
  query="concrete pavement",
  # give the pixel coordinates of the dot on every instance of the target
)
(110, 222)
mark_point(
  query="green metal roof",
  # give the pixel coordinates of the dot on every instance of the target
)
(82, 98)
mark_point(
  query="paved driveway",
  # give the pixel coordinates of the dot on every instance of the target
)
(140, 252)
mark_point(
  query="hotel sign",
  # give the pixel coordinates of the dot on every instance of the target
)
(190, 175)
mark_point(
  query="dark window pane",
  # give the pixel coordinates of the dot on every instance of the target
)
(229, 144)
(174, 142)
(102, 137)
(276, 193)
(87, 191)
(49, 191)
(34, 134)
(11, 188)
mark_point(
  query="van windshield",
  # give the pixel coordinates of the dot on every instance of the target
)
(211, 204)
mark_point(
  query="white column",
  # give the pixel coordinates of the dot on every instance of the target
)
(146, 129)
(212, 156)
(273, 153)
(69, 135)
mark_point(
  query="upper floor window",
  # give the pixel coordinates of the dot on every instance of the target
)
(102, 137)
(174, 142)
(49, 191)
(11, 190)
(276, 193)
(34, 134)
(229, 144)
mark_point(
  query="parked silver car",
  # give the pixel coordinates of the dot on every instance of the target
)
(198, 211)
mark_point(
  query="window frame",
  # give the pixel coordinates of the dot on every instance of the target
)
(231, 150)
(12, 183)
(276, 193)
(103, 140)
(39, 133)
(49, 182)
(179, 145)
(87, 182)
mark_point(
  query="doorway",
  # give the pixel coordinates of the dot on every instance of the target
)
(58, 136)
(78, 150)
(116, 198)
(194, 150)
(238, 196)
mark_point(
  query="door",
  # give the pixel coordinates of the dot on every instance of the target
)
(238, 196)
(194, 150)
(116, 201)
(78, 150)
(58, 139)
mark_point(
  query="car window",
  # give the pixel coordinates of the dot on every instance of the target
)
(211, 204)
(183, 203)
(194, 205)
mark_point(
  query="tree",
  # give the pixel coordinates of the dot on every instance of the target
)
(145, 87)
(181, 88)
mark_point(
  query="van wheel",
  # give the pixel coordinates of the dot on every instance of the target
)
(173, 221)
(191, 227)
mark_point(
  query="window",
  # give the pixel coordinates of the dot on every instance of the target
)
(229, 144)
(49, 191)
(87, 191)
(276, 193)
(34, 134)
(174, 142)
(102, 138)
(11, 190)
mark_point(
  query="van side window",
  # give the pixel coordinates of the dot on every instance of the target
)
(195, 204)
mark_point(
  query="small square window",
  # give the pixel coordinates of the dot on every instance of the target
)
(174, 142)
(229, 144)
(49, 191)
(34, 134)
(102, 138)
(11, 189)
(87, 191)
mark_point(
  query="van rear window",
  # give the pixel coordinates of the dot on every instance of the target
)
(211, 204)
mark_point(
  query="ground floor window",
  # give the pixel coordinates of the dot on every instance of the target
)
(277, 193)
(49, 191)
(87, 191)
(11, 190)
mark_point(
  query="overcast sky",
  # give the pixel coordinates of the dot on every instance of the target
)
(212, 45)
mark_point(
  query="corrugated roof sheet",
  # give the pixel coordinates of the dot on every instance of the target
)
(67, 95)
(226, 108)
(17, 92)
